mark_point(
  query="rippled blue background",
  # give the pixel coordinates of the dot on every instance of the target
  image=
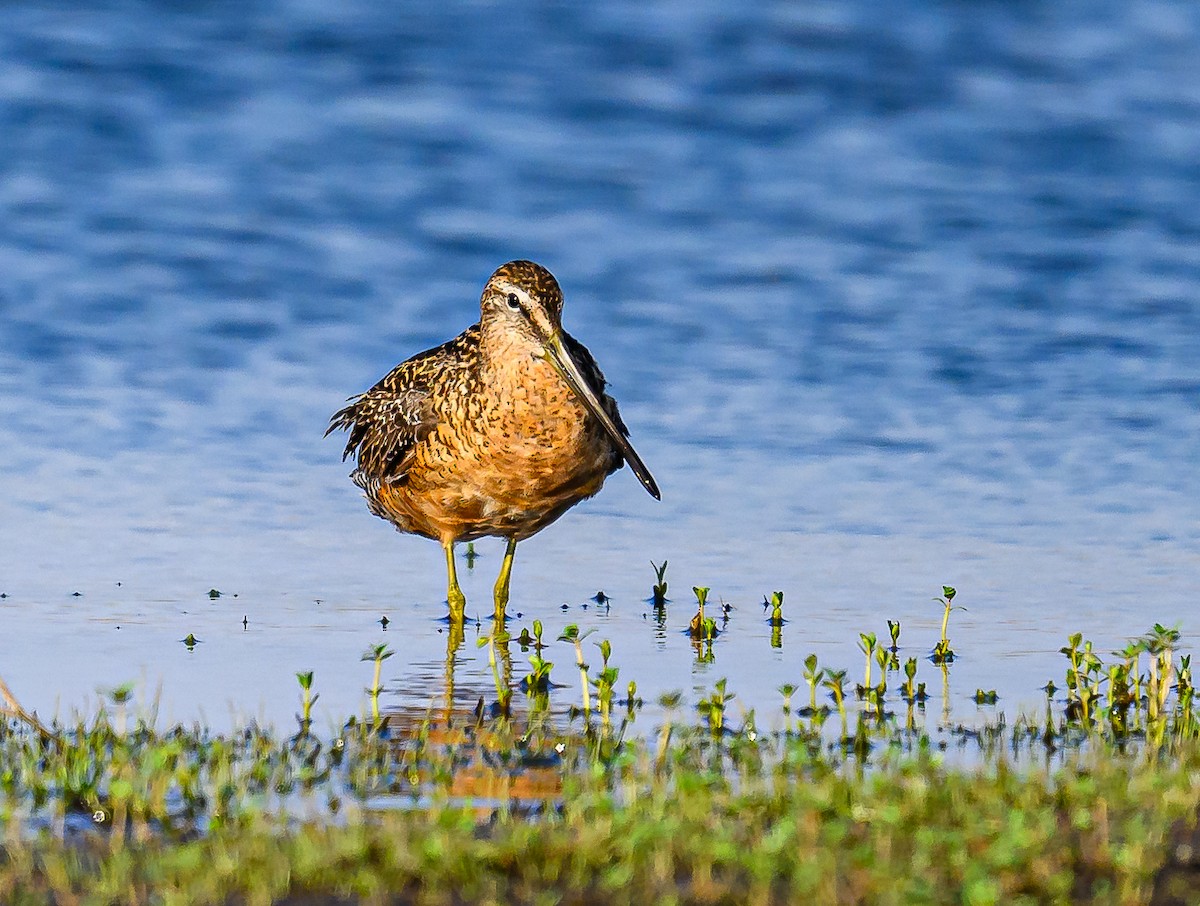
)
(892, 295)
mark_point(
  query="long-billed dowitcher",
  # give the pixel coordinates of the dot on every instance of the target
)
(498, 432)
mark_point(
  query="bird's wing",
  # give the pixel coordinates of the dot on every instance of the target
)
(384, 429)
(388, 421)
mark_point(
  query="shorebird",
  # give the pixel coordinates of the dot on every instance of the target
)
(497, 432)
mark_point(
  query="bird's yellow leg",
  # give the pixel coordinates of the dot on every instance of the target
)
(454, 596)
(501, 592)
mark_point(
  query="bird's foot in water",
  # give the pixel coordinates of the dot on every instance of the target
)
(457, 602)
(500, 592)
(501, 605)
(500, 599)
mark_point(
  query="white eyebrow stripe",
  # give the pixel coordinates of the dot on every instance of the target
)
(513, 288)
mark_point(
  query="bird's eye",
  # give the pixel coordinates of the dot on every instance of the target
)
(513, 302)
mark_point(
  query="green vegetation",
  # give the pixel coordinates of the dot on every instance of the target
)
(307, 700)
(702, 628)
(1095, 801)
(503, 691)
(658, 594)
(776, 605)
(376, 654)
(574, 636)
(714, 813)
(942, 652)
(910, 690)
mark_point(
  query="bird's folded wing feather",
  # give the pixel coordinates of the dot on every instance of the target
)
(385, 425)
(388, 421)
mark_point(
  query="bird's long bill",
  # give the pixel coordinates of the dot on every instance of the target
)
(557, 355)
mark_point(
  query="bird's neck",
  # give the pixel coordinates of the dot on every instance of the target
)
(506, 351)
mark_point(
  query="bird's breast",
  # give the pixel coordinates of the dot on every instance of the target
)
(511, 451)
(536, 430)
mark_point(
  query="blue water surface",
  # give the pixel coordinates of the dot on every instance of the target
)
(892, 296)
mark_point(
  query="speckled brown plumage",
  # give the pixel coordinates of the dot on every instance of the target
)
(497, 432)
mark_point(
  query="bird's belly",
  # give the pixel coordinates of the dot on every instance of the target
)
(510, 485)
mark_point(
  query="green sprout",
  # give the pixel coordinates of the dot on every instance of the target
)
(659, 592)
(571, 634)
(883, 657)
(713, 707)
(894, 632)
(307, 700)
(908, 688)
(835, 682)
(777, 608)
(605, 680)
(1186, 693)
(538, 681)
(1131, 656)
(776, 621)
(503, 692)
(942, 652)
(1120, 696)
(377, 654)
(812, 675)
(669, 702)
(787, 690)
(866, 644)
(120, 696)
(1083, 677)
(1049, 689)
(632, 702)
(1159, 643)
(702, 627)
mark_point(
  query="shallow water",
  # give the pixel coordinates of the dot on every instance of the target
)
(891, 297)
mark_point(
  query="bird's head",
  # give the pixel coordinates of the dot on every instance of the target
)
(523, 298)
(523, 301)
